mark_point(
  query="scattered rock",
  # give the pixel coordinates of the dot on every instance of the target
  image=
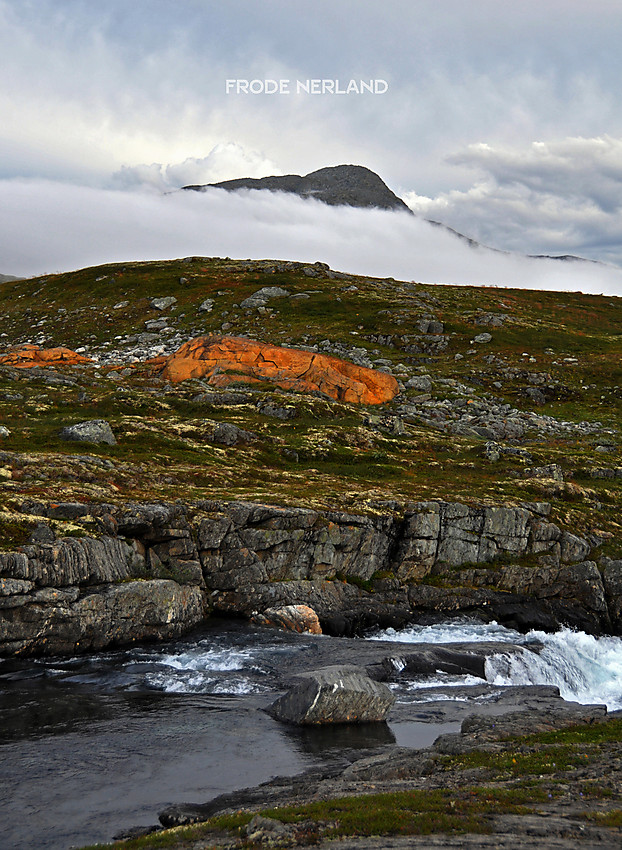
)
(552, 471)
(482, 338)
(421, 383)
(393, 425)
(262, 296)
(228, 434)
(223, 399)
(268, 408)
(493, 320)
(206, 306)
(268, 830)
(427, 326)
(92, 431)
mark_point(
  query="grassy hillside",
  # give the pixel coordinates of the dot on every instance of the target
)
(545, 390)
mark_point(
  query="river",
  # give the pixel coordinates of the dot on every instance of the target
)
(95, 744)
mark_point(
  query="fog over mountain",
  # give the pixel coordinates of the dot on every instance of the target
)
(47, 226)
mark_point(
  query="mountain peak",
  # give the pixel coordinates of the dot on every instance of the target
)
(337, 185)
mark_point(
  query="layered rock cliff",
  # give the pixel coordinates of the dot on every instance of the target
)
(145, 572)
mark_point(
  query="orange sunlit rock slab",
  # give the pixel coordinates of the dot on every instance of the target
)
(27, 356)
(226, 359)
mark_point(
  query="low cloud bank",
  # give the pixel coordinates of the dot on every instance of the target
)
(48, 227)
(565, 193)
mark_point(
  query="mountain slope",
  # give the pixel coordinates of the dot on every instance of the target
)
(492, 382)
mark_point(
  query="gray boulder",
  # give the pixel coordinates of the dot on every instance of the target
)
(227, 434)
(92, 431)
(339, 694)
(262, 296)
(163, 303)
(551, 470)
(422, 383)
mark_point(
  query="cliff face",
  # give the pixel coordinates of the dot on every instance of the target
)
(155, 571)
(348, 185)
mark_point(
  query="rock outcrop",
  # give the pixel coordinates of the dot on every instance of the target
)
(257, 561)
(79, 594)
(225, 360)
(27, 356)
(338, 694)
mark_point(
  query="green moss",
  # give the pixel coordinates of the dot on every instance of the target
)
(14, 531)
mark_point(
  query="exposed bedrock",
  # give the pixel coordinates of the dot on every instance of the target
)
(424, 561)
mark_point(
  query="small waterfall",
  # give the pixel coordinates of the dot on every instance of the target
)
(586, 669)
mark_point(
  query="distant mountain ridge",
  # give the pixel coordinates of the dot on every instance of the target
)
(339, 185)
(5, 278)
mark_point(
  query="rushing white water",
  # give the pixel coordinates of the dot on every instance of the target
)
(214, 665)
(200, 670)
(459, 631)
(586, 669)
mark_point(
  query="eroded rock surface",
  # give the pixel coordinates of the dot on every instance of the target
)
(355, 572)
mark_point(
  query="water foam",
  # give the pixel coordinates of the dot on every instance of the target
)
(458, 631)
(586, 669)
(203, 668)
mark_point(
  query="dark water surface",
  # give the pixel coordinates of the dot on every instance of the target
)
(93, 745)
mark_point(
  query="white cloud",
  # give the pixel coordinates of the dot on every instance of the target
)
(562, 196)
(137, 90)
(47, 226)
(224, 162)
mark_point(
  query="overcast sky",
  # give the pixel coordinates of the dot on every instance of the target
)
(501, 119)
